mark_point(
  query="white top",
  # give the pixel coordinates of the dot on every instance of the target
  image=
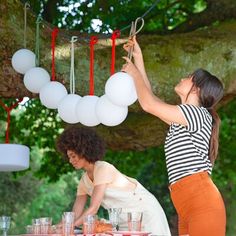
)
(128, 194)
(187, 147)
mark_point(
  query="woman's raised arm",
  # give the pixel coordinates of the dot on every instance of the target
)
(148, 101)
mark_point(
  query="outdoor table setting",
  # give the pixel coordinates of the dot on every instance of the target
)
(92, 225)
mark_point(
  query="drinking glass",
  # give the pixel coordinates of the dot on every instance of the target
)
(5, 224)
(36, 226)
(56, 229)
(89, 224)
(45, 225)
(29, 229)
(68, 223)
(114, 214)
(135, 221)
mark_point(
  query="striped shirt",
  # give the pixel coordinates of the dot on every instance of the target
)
(187, 147)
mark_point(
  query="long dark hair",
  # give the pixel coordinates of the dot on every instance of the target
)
(210, 93)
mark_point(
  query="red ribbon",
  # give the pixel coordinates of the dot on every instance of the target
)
(114, 36)
(93, 41)
(54, 36)
(8, 110)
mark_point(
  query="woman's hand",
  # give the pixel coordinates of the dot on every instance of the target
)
(137, 52)
(95, 202)
(130, 68)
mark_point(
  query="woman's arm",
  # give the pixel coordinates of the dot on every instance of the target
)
(79, 205)
(96, 200)
(138, 59)
(149, 102)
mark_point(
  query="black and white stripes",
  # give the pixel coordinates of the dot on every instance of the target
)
(187, 147)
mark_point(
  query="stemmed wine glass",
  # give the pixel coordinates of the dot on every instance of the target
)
(114, 214)
(5, 224)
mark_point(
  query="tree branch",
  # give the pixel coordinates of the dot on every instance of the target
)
(167, 59)
(219, 10)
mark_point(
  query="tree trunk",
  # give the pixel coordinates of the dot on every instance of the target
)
(167, 59)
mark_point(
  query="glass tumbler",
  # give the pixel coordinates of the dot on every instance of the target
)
(135, 221)
(114, 214)
(5, 222)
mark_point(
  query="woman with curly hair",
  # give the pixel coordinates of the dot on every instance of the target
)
(105, 185)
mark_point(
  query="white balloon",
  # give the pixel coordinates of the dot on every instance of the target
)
(51, 94)
(86, 112)
(110, 114)
(120, 89)
(23, 60)
(35, 78)
(67, 108)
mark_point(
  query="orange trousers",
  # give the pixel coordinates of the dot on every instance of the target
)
(200, 207)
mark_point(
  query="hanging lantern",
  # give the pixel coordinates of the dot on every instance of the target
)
(86, 110)
(120, 89)
(23, 60)
(14, 157)
(67, 108)
(51, 94)
(110, 114)
(35, 79)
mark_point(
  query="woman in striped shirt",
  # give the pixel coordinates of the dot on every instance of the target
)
(191, 145)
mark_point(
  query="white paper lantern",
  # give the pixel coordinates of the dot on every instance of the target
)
(51, 94)
(110, 114)
(120, 89)
(14, 157)
(35, 78)
(86, 112)
(23, 60)
(67, 108)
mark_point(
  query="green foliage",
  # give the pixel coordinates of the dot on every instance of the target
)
(11, 189)
(78, 15)
(36, 126)
(50, 200)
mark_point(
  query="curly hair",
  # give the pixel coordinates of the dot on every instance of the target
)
(83, 141)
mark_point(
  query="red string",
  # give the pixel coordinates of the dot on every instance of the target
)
(8, 110)
(54, 36)
(93, 41)
(115, 34)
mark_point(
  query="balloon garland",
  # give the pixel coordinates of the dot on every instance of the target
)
(110, 109)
